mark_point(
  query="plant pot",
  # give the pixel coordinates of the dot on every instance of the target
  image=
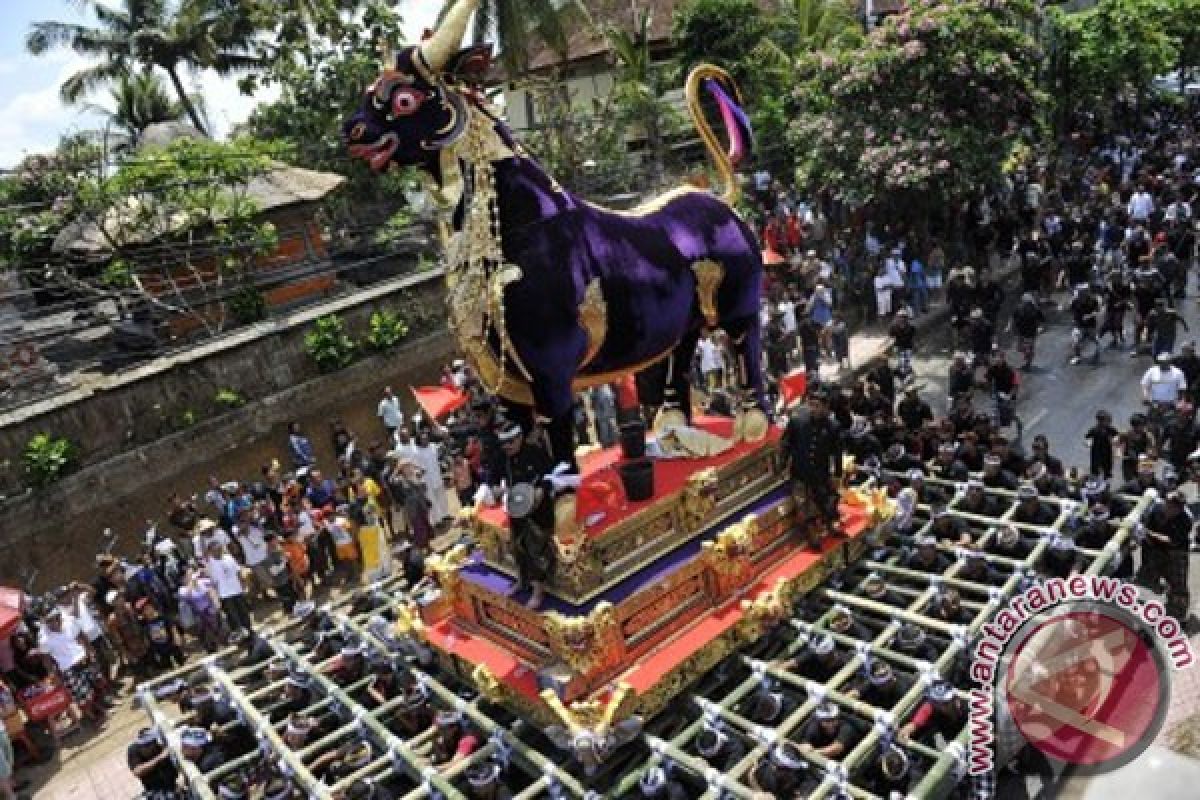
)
(633, 440)
(637, 476)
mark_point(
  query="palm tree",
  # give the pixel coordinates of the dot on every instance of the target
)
(516, 24)
(637, 90)
(190, 34)
(806, 26)
(139, 101)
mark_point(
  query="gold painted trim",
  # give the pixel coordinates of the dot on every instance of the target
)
(593, 317)
(695, 79)
(651, 206)
(709, 275)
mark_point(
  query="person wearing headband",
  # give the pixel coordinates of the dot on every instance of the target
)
(1060, 560)
(828, 732)
(298, 731)
(889, 772)
(768, 705)
(975, 568)
(367, 789)
(1030, 509)
(1008, 543)
(875, 588)
(780, 772)
(947, 606)
(414, 715)
(943, 714)
(350, 665)
(452, 739)
(150, 762)
(343, 762)
(279, 787)
(1168, 529)
(719, 746)
(878, 685)
(232, 787)
(198, 747)
(485, 782)
(975, 499)
(297, 696)
(216, 714)
(812, 451)
(657, 783)
(910, 640)
(821, 659)
(925, 556)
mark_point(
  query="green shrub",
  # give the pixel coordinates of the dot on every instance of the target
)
(247, 305)
(388, 328)
(229, 398)
(188, 418)
(47, 459)
(328, 344)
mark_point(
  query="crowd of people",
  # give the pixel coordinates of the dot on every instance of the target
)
(1108, 229)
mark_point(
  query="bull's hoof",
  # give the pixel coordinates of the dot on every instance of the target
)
(751, 425)
(669, 417)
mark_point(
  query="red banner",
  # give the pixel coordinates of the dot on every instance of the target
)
(793, 387)
(438, 401)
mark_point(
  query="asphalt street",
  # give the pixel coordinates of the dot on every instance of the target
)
(1059, 400)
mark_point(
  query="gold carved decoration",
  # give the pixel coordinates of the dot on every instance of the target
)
(444, 569)
(593, 316)
(874, 502)
(585, 643)
(767, 608)
(592, 716)
(732, 547)
(569, 536)
(408, 620)
(486, 682)
(699, 498)
(709, 275)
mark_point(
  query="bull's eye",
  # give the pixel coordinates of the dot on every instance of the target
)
(406, 101)
(357, 131)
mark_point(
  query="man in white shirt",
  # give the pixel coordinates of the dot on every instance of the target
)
(389, 411)
(1141, 205)
(787, 317)
(428, 458)
(205, 533)
(1163, 383)
(226, 576)
(66, 647)
(710, 361)
(253, 542)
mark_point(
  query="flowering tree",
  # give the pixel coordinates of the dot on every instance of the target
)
(924, 112)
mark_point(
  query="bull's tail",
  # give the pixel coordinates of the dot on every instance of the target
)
(724, 92)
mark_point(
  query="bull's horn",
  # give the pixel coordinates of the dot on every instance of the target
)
(387, 53)
(447, 39)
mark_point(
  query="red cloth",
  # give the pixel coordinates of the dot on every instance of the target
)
(792, 387)
(627, 395)
(438, 401)
(12, 603)
(795, 235)
(600, 493)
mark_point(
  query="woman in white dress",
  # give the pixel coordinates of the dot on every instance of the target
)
(427, 457)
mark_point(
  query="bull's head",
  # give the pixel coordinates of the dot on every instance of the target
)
(411, 111)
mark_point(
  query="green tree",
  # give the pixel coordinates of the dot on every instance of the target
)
(728, 33)
(638, 88)
(1181, 21)
(516, 25)
(139, 101)
(924, 113)
(153, 34)
(177, 227)
(808, 25)
(1117, 47)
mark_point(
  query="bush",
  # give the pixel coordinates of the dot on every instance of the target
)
(47, 459)
(328, 344)
(229, 398)
(247, 305)
(388, 328)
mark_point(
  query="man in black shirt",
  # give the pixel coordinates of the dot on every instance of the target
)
(1085, 311)
(1030, 509)
(981, 334)
(879, 686)
(524, 468)
(828, 733)
(812, 449)
(720, 748)
(1100, 438)
(1001, 377)
(889, 774)
(910, 641)
(926, 557)
(1027, 322)
(1168, 529)
(1189, 364)
(1008, 543)
(820, 663)
(198, 747)
(912, 410)
(1163, 322)
(151, 763)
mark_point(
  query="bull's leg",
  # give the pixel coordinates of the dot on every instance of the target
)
(752, 421)
(677, 394)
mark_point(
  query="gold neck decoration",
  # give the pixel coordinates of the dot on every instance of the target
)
(476, 273)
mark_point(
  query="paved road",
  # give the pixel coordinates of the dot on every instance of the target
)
(1060, 401)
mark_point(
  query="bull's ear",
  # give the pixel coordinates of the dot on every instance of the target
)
(470, 64)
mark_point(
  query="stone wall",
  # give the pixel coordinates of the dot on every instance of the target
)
(130, 426)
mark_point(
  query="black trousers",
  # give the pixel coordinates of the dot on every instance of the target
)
(237, 612)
